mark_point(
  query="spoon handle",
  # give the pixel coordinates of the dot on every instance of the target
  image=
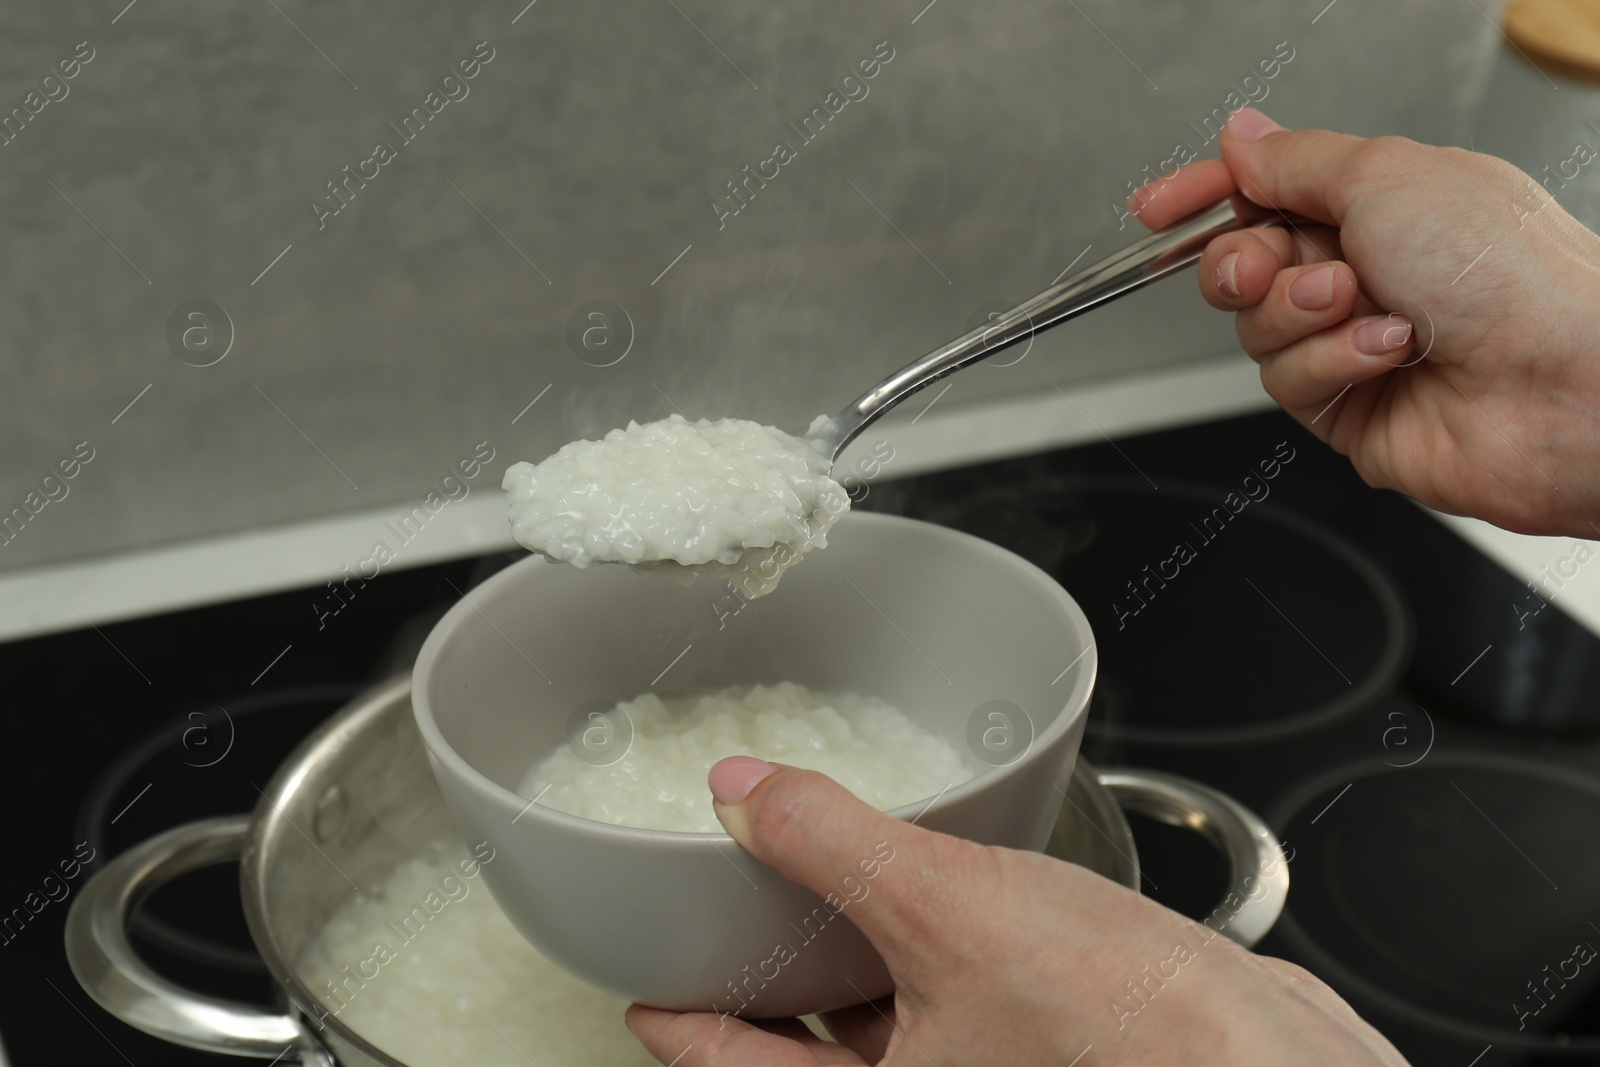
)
(1136, 266)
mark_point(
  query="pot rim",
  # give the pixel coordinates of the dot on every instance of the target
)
(108, 968)
(350, 719)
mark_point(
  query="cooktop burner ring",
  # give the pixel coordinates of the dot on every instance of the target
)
(1379, 680)
(1382, 605)
(1326, 965)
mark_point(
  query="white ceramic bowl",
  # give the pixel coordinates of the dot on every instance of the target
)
(968, 639)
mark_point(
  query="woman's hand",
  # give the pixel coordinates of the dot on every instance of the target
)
(1002, 957)
(1442, 329)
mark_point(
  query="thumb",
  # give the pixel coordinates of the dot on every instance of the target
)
(891, 878)
(1306, 172)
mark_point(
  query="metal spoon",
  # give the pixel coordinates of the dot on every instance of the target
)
(1136, 266)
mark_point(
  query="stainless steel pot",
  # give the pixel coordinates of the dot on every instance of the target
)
(357, 798)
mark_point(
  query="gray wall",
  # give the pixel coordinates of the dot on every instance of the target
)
(408, 329)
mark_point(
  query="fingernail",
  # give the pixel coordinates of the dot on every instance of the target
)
(732, 779)
(1228, 275)
(1313, 290)
(1382, 337)
(1249, 125)
(1138, 198)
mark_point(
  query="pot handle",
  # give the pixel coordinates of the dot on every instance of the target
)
(105, 964)
(1258, 879)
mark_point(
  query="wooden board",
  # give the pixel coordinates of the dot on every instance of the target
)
(1562, 36)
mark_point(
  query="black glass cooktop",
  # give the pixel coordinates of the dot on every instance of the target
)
(1324, 652)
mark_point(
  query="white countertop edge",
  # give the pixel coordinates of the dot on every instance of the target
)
(932, 436)
(1550, 563)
